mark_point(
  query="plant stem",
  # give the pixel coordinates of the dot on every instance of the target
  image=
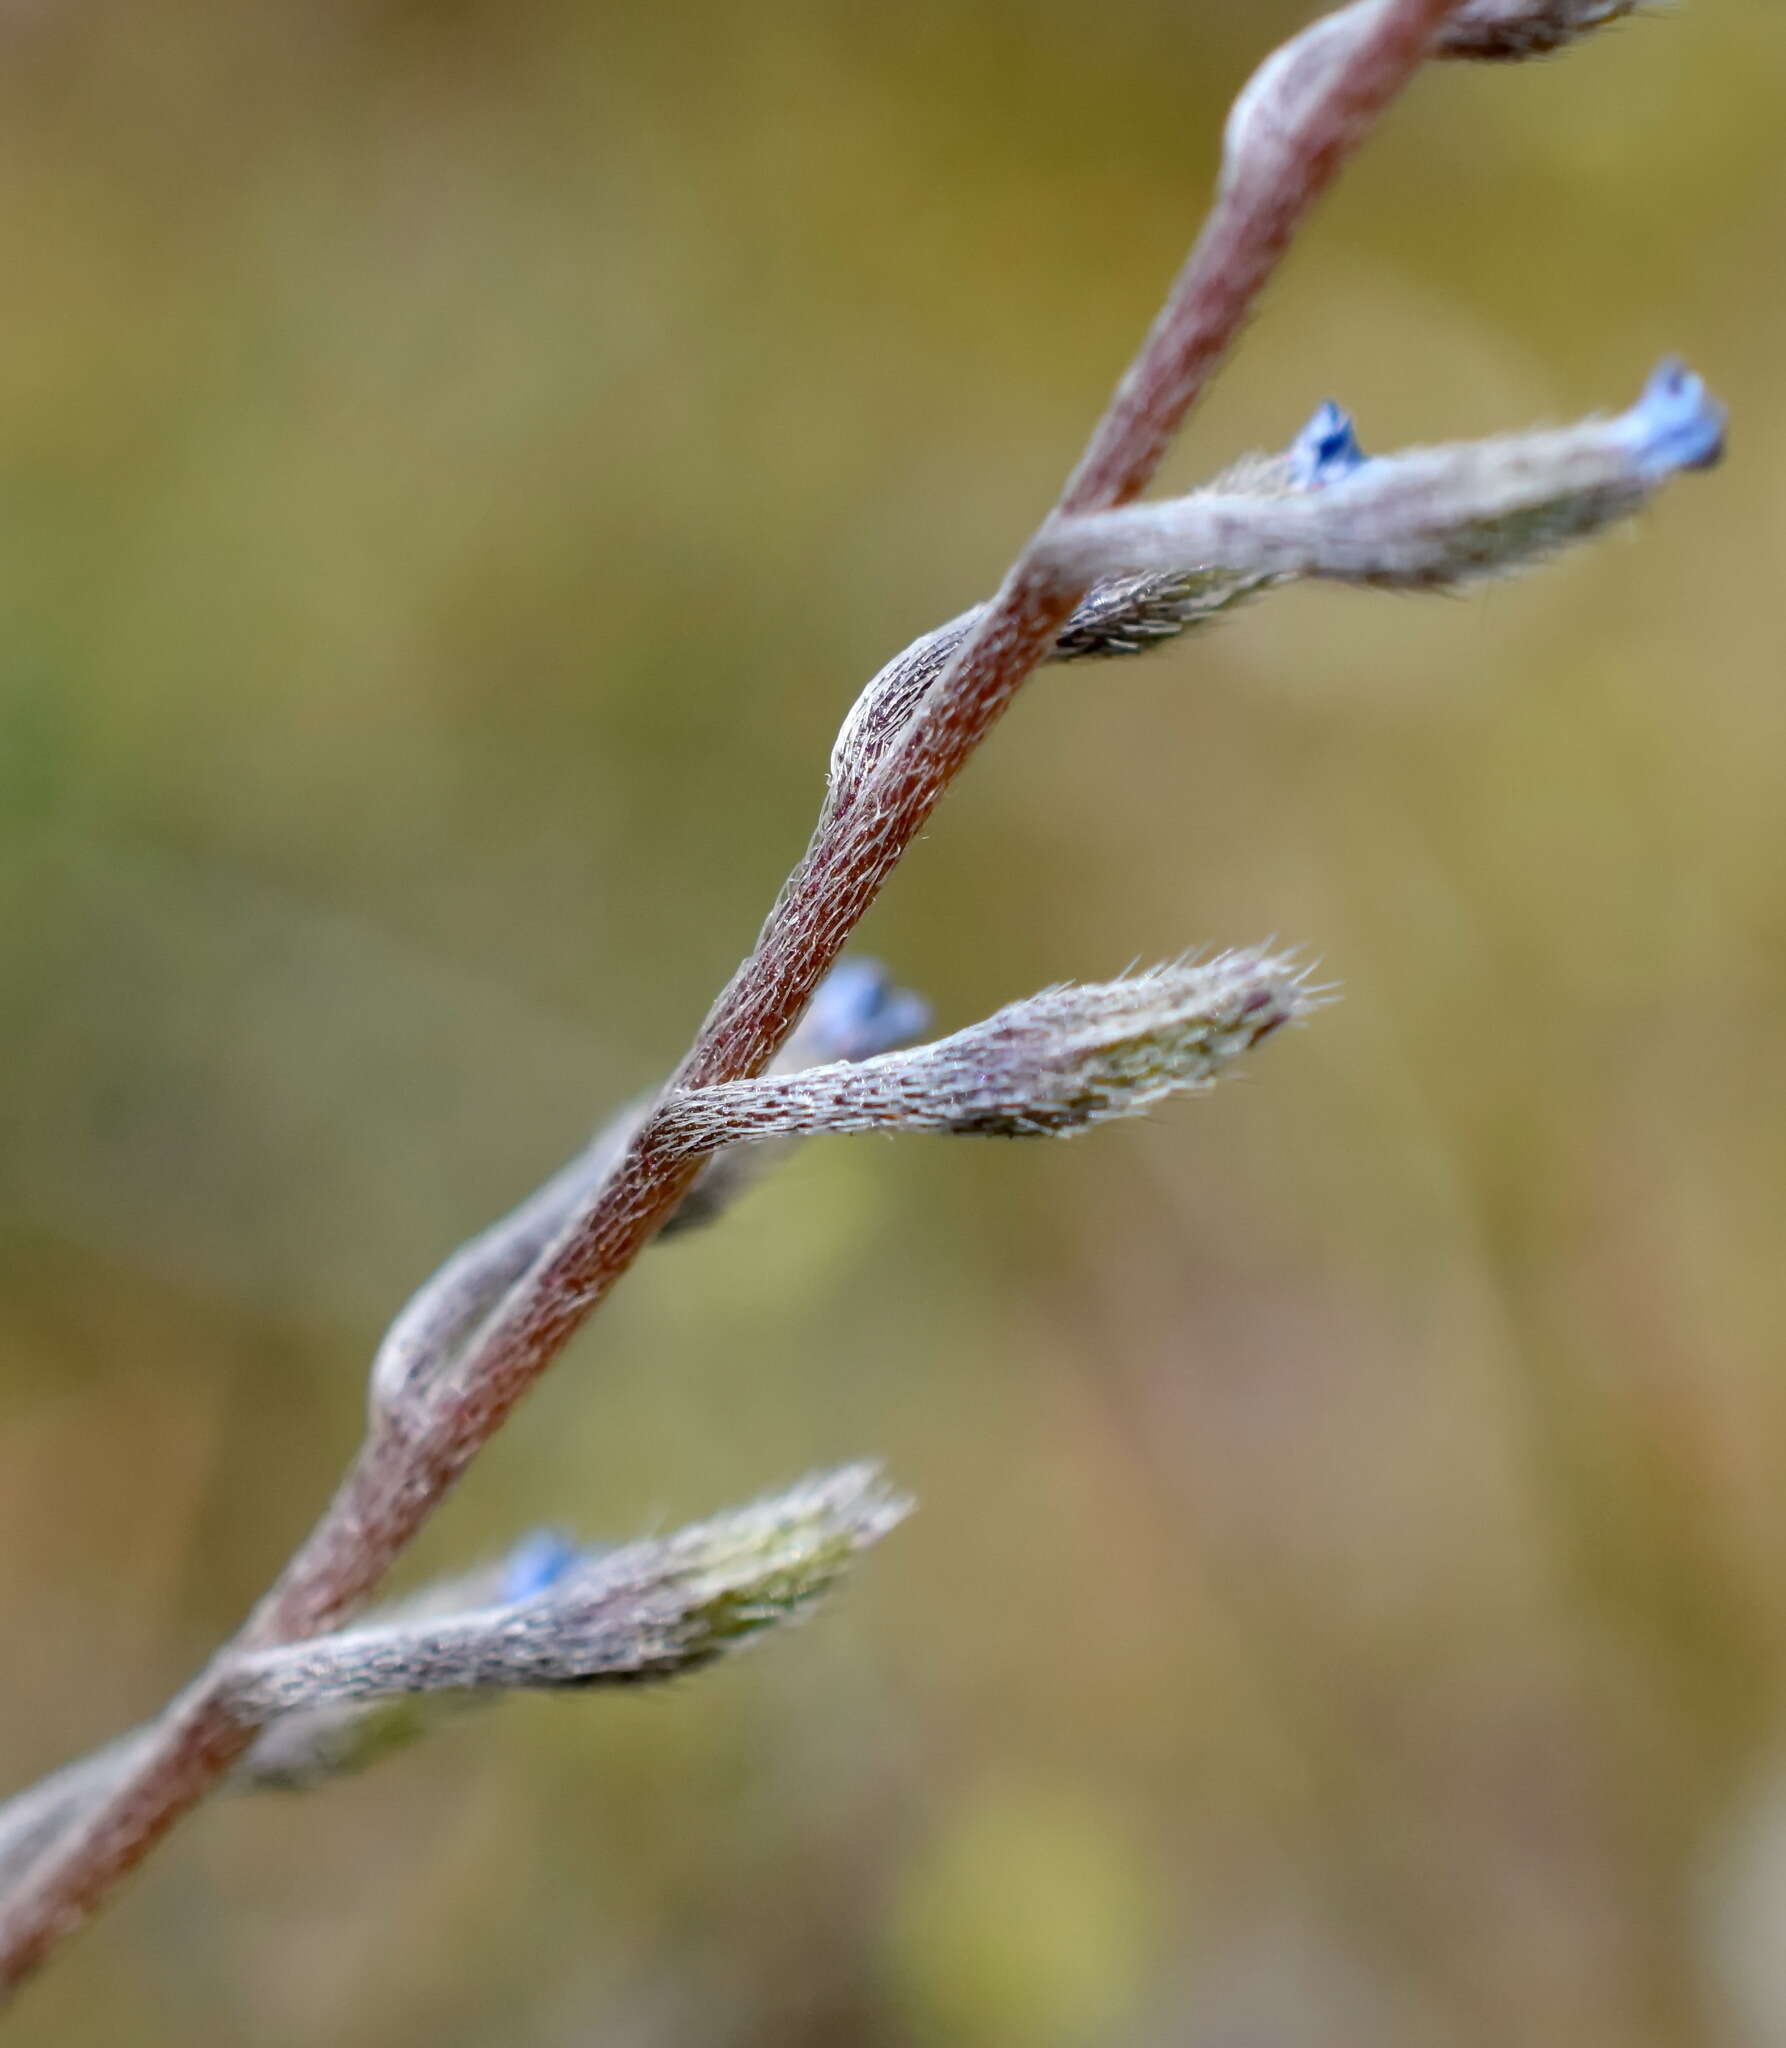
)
(1306, 111)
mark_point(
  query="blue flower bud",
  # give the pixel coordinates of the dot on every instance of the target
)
(1326, 449)
(536, 1564)
(1676, 424)
(859, 1011)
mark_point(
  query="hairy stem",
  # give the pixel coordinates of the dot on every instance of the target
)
(1293, 127)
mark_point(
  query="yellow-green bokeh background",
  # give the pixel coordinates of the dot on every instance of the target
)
(459, 462)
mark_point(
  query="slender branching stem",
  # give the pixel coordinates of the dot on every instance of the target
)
(1294, 126)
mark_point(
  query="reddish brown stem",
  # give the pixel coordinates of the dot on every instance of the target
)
(1326, 90)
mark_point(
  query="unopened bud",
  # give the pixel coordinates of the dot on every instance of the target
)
(560, 1616)
(1055, 1063)
(1425, 519)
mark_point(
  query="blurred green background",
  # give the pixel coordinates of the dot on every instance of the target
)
(460, 461)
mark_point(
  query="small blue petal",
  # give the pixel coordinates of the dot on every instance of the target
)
(1326, 449)
(860, 1011)
(1676, 424)
(536, 1564)
(903, 1017)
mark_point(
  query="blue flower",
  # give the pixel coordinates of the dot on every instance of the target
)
(859, 1010)
(1676, 424)
(536, 1564)
(1326, 449)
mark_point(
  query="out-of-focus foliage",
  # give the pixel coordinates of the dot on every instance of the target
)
(460, 462)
